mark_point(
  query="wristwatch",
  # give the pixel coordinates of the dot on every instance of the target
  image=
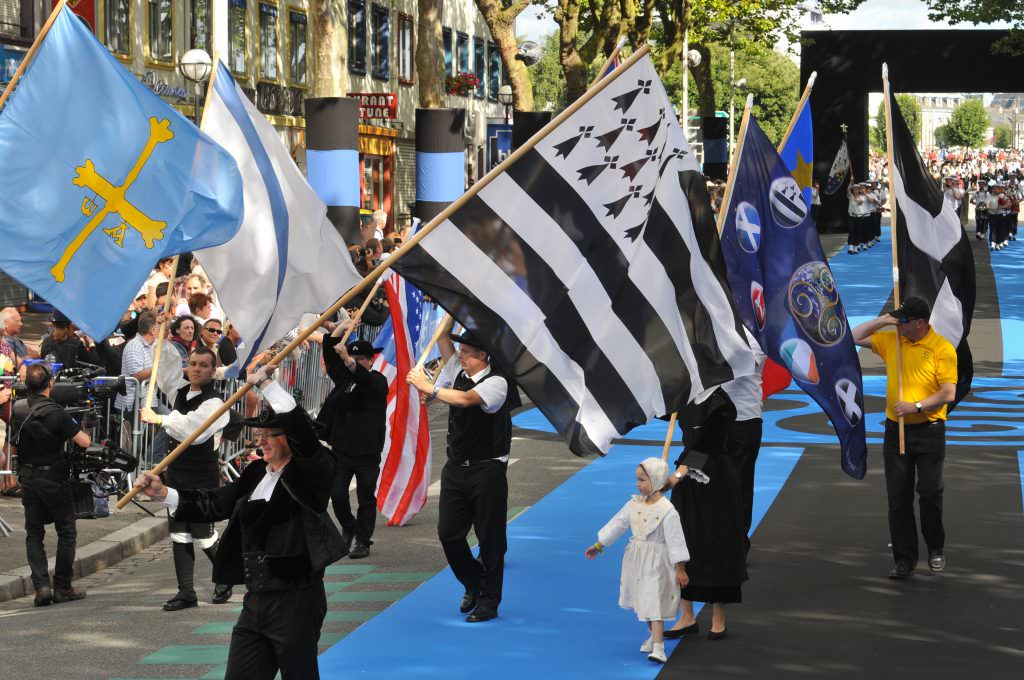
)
(433, 393)
(677, 474)
(920, 407)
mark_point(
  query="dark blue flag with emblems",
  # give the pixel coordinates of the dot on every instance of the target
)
(785, 293)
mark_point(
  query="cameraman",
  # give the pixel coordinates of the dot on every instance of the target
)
(45, 477)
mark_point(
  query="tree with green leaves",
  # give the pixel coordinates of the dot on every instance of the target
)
(984, 12)
(911, 110)
(549, 92)
(941, 135)
(1003, 137)
(500, 17)
(968, 124)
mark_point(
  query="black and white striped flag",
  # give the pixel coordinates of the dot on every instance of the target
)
(592, 270)
(935, 259)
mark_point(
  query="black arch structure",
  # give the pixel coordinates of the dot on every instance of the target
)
(849, 66)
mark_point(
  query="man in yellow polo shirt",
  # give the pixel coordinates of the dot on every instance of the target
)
(929, 384)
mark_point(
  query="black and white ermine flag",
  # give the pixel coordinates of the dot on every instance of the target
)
(591, 268)
(935, 259)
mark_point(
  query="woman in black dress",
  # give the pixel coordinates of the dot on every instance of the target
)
(711, 515)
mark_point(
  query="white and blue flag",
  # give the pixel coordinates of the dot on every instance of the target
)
(100, 178)
(287, 259)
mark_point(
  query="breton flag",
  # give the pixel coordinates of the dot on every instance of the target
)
(935, 259)
(591, 268)
(287, 258)
(100, 178)
(786, 294)
(840, 169)
(405, 463)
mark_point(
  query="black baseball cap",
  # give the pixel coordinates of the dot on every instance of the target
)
(59, 320)
(913, 308)
(362, 348)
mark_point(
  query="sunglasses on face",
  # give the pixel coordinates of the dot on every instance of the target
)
(215, 331)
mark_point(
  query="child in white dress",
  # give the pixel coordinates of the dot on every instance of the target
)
(654, 566)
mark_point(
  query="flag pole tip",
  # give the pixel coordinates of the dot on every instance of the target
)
(750, 100)
(810, 81)
(885, 70)
(622, 43)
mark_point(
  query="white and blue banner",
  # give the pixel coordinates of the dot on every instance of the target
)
(287, 259)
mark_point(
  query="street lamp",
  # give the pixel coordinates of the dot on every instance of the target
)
(505, 97)
(733, 86)
(195, 66)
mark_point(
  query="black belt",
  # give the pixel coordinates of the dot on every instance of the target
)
(28, 471)
(893, 423)
(259, 580)
(467, 463)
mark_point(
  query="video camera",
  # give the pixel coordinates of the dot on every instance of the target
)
(76, 386)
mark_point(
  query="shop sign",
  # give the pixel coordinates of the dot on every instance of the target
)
(373, 105)
(161, 87)
(279, 101)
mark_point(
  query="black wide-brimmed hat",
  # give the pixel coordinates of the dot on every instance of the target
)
(467, 338)
(265, 419)
(362, 348)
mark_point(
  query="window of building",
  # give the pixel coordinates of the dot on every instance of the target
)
(268, 41)
(118, 20)
(449, 60)
(462, 53)
(380, 27)
(406, 49)
(479, 66)
(237, 37)
(160, 32)
(493, 72)
(16, 18)
(298, 40)
(199, 25)
(357, 36)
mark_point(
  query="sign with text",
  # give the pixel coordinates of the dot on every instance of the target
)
(377, 104)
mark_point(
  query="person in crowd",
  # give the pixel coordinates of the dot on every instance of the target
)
(654, 564)
(474, 487)
(354, 418)
(162, 273)
(200, 306)
(858, 211)
(269, 540)
(197, 467)
(183, 337)
(929, 376)
(10, 324)
(998, 217)
(45, 477)
(387, 247)
(980, 201)
(376, 252)
(380, 224)
(137, 360)
(212, 336)
(710, 509)
(66, 346)
(815, 201)
(8, 362)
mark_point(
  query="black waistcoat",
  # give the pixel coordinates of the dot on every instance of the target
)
(474, 435)
(197, 467)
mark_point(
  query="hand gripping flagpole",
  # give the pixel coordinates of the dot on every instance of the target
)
(161, 336)
(377, 271)
(36, 44)
(362, 308)
(895, 258)
(730, 180)
(799, 108)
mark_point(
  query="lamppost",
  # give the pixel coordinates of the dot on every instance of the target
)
(505, 97)
(733, 86)
(195, 66)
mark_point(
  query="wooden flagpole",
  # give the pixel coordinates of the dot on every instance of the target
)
(160, 337)
(895, 255)
(799, 107)
(362, 308)
(668, 437)
(36, 44)
(377, 271)
(730, 180)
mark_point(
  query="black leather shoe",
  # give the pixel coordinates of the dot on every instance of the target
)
(44, 596)
(692, 629)
(177, 605)
(483, 612)
(901, 571)
(61, 595)
(468, 602)
(712, 635)
(360, 551)
(221, 593)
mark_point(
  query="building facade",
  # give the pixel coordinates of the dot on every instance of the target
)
(936, 109)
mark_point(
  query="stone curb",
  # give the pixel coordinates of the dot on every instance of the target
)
(90, 558)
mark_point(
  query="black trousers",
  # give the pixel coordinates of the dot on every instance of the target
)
(47, 501)
(998, 228)
(981, 222)
(743, 447)
(278, 630)
(365, 472)
(475, 496)
(925, 453)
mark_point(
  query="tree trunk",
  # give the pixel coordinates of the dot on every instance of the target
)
(573, 67)
(501, 20)
(705, 86)
(330, 36)
(430, 55)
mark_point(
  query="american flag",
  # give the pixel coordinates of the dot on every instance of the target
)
(405, 463)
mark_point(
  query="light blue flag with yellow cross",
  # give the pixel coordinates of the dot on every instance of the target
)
(99, 178)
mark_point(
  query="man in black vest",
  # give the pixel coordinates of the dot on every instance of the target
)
(45, 477)
(196, 468)
(354, 417)
(272, 540)
(474, 489)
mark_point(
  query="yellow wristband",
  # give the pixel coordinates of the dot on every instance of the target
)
(598, 546)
